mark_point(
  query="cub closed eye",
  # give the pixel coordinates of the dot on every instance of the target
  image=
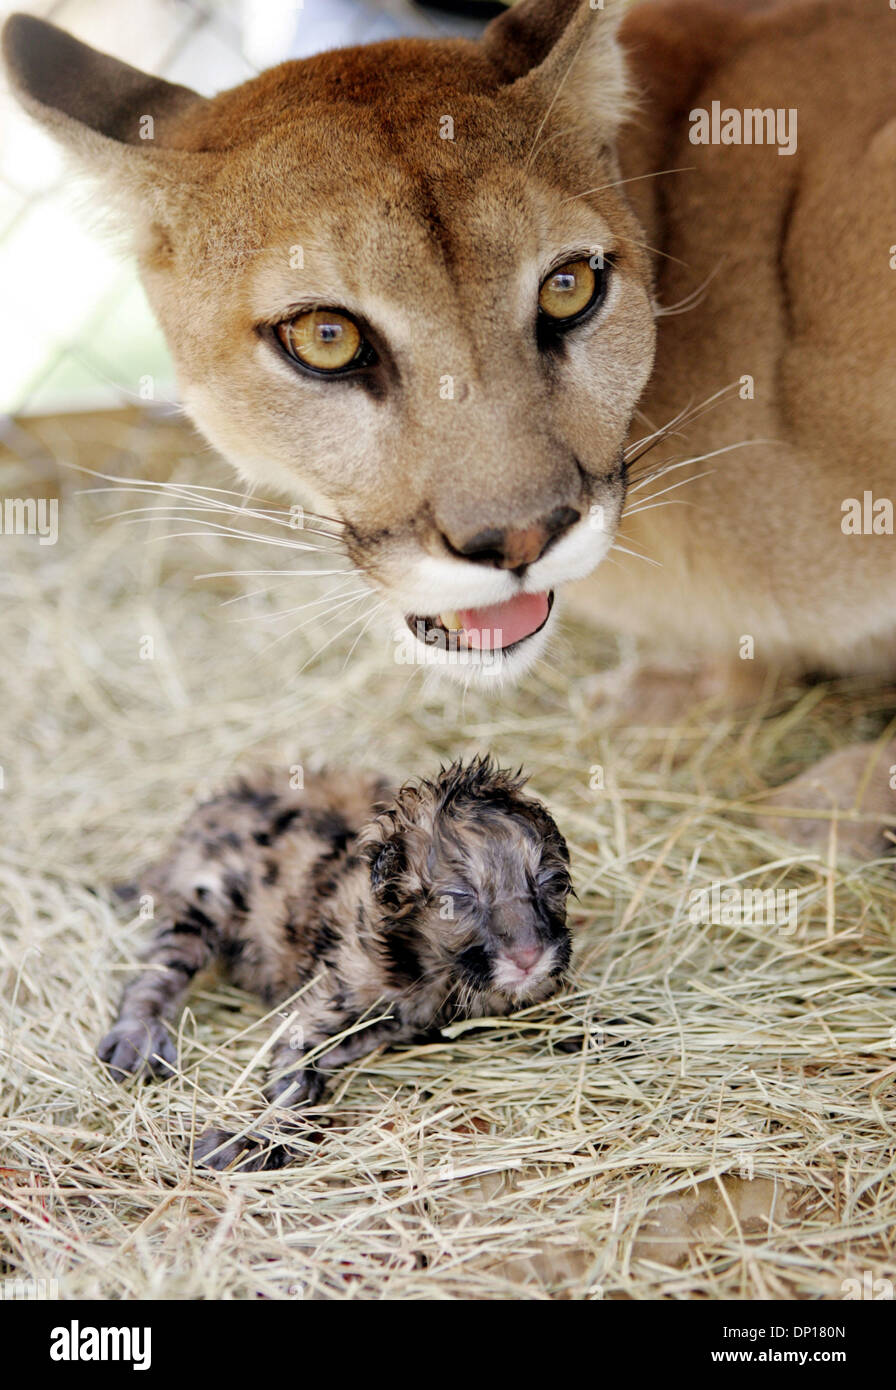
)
(569, 292)
(324, 341)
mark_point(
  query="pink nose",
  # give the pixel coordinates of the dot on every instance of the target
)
(525, 956)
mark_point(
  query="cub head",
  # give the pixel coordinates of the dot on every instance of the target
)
(472, 877)
(400, 283)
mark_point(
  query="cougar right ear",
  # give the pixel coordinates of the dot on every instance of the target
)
(120, 123)
(566, 57)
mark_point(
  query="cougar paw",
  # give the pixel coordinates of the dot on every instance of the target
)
(852, 782)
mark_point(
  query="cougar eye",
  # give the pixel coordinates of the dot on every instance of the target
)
(569, 290)
(323, 340)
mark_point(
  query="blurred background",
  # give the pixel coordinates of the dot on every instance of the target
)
(78, 333)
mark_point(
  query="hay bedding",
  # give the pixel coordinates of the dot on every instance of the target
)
(727, 1130)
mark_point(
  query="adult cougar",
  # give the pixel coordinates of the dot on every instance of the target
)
(419, 283)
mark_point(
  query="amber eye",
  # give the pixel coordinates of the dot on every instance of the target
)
(568, 290)
(323, 339)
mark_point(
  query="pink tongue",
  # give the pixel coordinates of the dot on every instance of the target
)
(503, 623)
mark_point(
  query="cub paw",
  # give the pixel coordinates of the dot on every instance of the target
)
(138, 1047)
(218, 1149)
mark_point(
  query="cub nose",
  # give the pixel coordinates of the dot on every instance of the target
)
(525, 956)
(515, 548)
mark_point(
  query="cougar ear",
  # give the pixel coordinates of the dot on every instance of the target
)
(566, 57)
(117, 121)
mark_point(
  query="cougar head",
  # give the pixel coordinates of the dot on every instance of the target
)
(400, 283)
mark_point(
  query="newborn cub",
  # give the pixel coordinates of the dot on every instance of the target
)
(445, 899)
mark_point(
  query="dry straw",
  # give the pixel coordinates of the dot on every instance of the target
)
(707, 1112)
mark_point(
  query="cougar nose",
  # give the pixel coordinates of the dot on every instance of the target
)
(525, 956)
(514, 549)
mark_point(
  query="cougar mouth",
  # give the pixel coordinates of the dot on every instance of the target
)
(498, 627)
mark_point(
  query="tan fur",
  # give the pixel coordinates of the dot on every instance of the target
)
(853, 796)
(440, 245)
(803, 299)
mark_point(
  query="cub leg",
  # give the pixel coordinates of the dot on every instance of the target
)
(139, 1043)
(296, 1085)
(199, 890)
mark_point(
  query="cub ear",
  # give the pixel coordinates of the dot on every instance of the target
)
(566, 56)
(116, 120)
(387, 863)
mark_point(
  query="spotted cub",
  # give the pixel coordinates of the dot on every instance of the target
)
(441, 900)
